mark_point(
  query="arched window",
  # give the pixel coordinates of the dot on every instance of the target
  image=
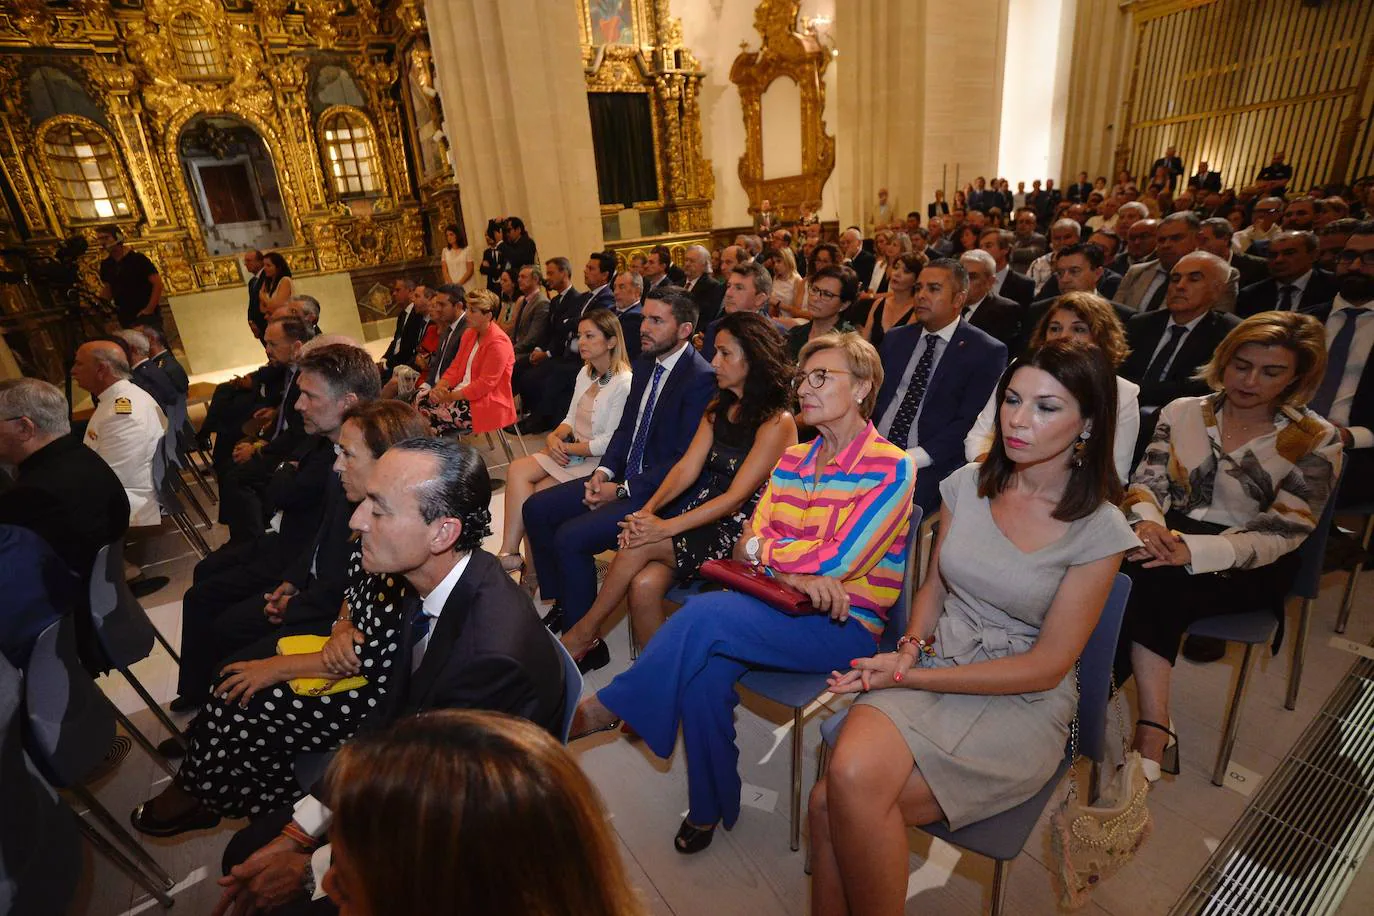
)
(350, 152)
(196, 52)
(84, 170)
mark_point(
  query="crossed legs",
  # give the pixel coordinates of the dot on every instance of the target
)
(524, 478)
(859, 816)
(644, 574)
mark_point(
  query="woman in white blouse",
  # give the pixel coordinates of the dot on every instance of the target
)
(1089, 318)
(456, 262)
(1230, 486)
(571, 449)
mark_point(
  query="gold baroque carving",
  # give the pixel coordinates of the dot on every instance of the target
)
(784, 53)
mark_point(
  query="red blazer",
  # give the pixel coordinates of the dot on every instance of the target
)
(488, 393)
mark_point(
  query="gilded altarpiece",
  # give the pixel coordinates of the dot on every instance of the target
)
(152, 67)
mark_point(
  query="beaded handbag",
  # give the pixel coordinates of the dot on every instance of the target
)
(1092, 841)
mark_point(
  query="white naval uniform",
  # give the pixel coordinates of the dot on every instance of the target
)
(125, 430)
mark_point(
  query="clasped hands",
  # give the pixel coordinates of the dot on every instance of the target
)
(557, 449)
(640, 528)
(598, 491)
(1160, 547)
(886, 669)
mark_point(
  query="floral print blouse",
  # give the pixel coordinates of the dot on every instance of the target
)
(1268, 493)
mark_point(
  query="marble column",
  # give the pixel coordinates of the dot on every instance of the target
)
(1099, 52)
(509, 75)
(920, 85)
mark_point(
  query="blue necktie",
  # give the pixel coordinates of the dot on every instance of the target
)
(642, 433)
(1336, 358)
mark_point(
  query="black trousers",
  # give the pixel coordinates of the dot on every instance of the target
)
(229, 577)
(242, 498)
(258, 834)
(546, 391)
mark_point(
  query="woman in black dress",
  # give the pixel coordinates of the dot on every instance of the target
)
(244, 742)
(741, 437)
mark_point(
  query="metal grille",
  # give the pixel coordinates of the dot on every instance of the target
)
(1300, 842)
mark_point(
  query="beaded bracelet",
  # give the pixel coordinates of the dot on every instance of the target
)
(299, 837)
(927, 647)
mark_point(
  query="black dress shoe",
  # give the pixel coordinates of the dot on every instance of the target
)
(144, 586)
(1203, 649)
(171, 748)
(692, 839)
(554, 619)
(598, 656)
(185, 704)
(198, 818)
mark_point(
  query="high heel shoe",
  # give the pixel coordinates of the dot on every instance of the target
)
(691, 838)
(597, 655)
(1153, 770)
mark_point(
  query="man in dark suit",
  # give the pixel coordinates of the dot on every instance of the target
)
(1214, 237)
(1172, 164)
(1170, 344)
(224, 610)
(628, 307)
(163, 358)
(598, 274)
(410, 325)
(1000, 318)
(1006, 283)
(257, 321)
(937, 376)
(544, 378)
(570, 523)
(1274, 177)
(63, 491)
(1077, 269)
(144, 373)
(1294, 281)
(448, 308)
(471, 640)
(659, 269)
(856, 257)
(1346, 394)
(1205, 179)
(938, 207)
(1081, 189)
(706, 291)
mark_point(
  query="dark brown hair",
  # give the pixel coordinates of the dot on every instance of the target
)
(1085, 371)
(384, 423)
(767, 387)
(465, 811)
(346, 369)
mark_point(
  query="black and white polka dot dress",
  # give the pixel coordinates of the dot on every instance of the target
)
(240, 761)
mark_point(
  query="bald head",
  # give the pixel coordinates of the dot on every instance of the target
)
(99, 364)
(1197, 283)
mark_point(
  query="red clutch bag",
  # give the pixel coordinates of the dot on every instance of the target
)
(753, 581)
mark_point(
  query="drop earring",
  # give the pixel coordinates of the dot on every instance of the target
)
(1079, 448)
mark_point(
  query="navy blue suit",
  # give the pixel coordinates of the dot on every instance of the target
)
(604, 298)
(564, 535)
(959, 388)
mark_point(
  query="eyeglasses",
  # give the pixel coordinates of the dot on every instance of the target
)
(1350, 257)
(817, 377)
(1266, 209)
(823, 294)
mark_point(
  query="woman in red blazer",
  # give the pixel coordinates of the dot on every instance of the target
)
(474, 395)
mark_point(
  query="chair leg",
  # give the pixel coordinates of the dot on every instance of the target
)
(168, 646)
(200, 478)
(1228, 735)
(142, 741)
(797, 724)
(999, 880)
(122, 862)
(189, 532)
(505, 445)
(1349, 597)
(520, 438)
(113, 827)
(1299, 654)
(188, 497)
(154, 707)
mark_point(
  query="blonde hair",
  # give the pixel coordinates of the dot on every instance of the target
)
(484, 299)
(789, 261)
(864, 363)
(464, 811)
(1101, 319)
(1302, 334)
(611, 329)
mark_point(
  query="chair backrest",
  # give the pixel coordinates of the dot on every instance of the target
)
(896, 616)
(1312, 554)
(177, 421)
(1095, 671)
(40, 850)
(572, 687)
(71, 723)
(121, 626)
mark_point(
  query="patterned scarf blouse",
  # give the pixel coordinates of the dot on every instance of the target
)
(1268, 493)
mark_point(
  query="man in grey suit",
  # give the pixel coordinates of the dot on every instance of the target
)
(1145, 285)
(1215, 237)
(532, 320)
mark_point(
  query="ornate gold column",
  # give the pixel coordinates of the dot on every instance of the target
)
(509, 73)
(118, 88)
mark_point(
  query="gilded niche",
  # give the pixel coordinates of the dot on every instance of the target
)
(784, 53)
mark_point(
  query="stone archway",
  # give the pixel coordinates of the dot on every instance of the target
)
(233, 185)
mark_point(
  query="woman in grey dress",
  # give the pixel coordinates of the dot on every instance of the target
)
(1029, 544)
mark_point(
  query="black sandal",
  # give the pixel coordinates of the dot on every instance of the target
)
(691, 839)
(198, 818)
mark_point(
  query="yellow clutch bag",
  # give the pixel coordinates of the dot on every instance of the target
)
(314, 686)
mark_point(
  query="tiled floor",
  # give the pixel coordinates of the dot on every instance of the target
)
(750, 870)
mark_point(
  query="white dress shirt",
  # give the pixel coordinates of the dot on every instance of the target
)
(1299, 288)
(1360, 346)
(1164, 341)
(943, 337)
(998, 279)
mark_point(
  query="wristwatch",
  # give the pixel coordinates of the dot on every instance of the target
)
(751, 549)
(622, 491)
